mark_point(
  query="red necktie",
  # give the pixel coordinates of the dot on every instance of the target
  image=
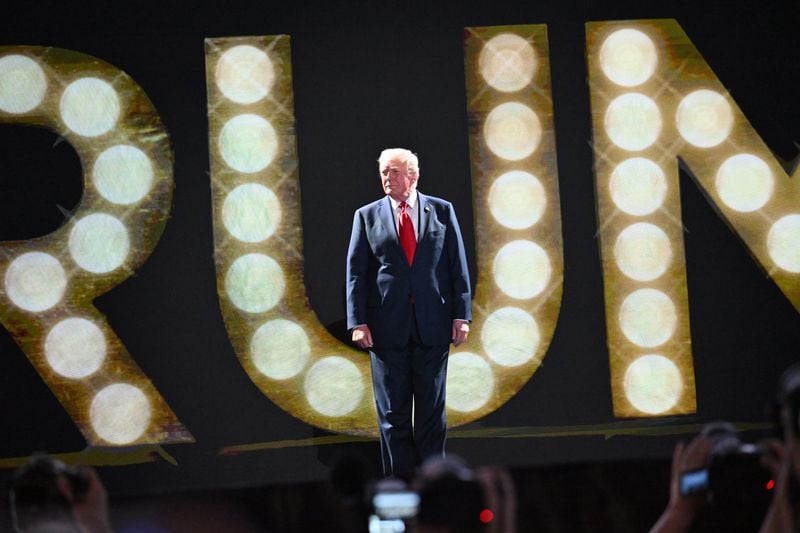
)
(406, 229)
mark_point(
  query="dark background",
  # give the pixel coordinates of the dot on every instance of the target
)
(370, 74)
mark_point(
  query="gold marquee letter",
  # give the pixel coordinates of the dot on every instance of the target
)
(258, 235)
(654, 99)
(49, 282)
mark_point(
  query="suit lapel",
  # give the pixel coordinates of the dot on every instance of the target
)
(387, 218)
(424, 215)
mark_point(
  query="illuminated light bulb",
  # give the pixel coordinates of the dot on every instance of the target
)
(334, 386)
(648, 317)
(99, 243)
(744, 183)
(517, 199)
(510, 336)
(23, 84)
(122, 174)
(628, 57)
(638, 186)
(255, 283)
(783, 243)
(89, 107)
(120, 413)
(522, 269)
(507, 62)
(280, 349)
(653, 384)
(512, 131)
(704, 118)
(633, 121)
(251, 212)
(248, 143)
(643, 251)
(75, 348)
(35, 281)
(470, 382)
(244, 74)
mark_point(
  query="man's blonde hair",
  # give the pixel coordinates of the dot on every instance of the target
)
(399, 154)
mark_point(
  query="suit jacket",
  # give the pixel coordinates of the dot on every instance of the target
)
(381, 285)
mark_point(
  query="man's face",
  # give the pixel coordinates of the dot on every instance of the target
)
(397, 180)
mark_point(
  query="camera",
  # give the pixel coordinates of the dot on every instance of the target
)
(43, 469)
(734, 472)
(34, 492)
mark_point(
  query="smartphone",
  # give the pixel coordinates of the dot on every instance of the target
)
(403, 504)
(694, 481)
(392, 510)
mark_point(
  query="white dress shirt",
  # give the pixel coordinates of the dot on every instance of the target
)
(412, 209)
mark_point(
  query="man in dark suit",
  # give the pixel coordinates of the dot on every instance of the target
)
(408, 297)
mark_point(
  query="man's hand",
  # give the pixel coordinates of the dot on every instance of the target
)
(778, 460)
(362, 336)
(681, 510)
(90, 510)
(460, 331)
(687, 458)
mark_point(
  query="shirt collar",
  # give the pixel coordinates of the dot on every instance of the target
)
(412, 201)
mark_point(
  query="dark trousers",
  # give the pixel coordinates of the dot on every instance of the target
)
(415, 372)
